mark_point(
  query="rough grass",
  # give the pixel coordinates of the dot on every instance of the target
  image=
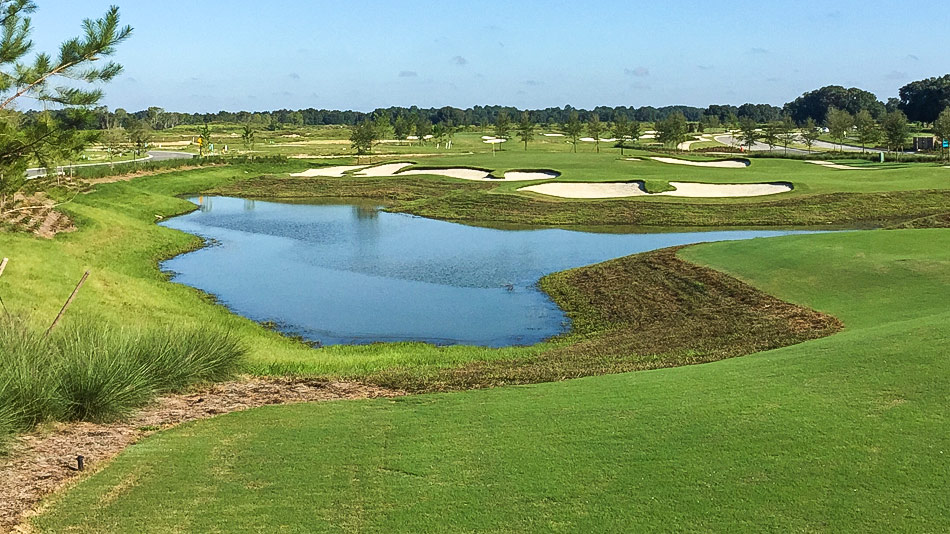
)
(646, 311)
(90, 372)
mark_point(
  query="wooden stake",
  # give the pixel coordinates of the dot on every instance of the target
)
(3, 265)
(68, 302)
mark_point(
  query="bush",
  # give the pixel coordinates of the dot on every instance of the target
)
(91, 372)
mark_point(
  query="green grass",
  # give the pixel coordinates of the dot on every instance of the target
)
(883, 195)
(119, 242)
(841, 434)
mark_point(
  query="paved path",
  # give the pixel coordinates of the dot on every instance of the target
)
(153, 155)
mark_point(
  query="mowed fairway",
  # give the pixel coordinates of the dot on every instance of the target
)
(842, 434)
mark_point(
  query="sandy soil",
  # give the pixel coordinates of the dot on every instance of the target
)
(389, 169)
(516, 176)
(831, 165)
(332, 172)
(589, 190)
(635, 189)
(396, 169)
(698, 190)
(44, 461)
(714, 164)
(461, 173)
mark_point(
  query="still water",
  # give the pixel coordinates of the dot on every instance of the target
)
(351, 274)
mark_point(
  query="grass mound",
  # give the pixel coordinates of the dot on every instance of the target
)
(646, 311)
(87, 372)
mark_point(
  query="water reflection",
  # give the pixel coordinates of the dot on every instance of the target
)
(350, 274)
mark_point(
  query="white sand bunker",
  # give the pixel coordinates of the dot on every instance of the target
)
(463, 173)
(635, 189)
(632, 159)
(521, 176)
(728, 164)
(460, 173)
(390, 169)
(831, 165)
(330, 172)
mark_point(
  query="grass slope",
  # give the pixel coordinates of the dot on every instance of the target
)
(841, 434)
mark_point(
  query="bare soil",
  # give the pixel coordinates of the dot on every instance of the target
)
(43, 461)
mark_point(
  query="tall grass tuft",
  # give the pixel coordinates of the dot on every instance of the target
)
(91, 372)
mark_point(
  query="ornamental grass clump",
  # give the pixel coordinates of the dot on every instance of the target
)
(91, 372)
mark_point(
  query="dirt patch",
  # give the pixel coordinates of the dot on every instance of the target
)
(43, 461)
(36, 214)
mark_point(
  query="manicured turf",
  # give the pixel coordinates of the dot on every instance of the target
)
(842, 434)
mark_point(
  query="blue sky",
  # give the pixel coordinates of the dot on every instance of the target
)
(258, 55)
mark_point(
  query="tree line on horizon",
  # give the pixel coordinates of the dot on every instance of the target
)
(921, 101)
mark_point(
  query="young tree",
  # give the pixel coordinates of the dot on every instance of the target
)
(384, 129)
(247, 137)
(41, 138)
(204, 139)
(621, 130)
(868, 133)
(749, 133)
(942, 127)
(810, 133)
(573, 128)
(787, 132)
(526, 129)
(595, 129)
(896, 130)
(423, 129)
(502, 125)
(363, 136)
(402, 128)
(839, 124)
(771, 134)
(140, 135)
(672, 130)
(114, 141)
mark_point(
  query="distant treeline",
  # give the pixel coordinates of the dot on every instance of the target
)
(922, 101)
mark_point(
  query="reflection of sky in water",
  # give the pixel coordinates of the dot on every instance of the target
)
(348, 274)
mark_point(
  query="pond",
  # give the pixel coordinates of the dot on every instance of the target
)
(346, 274)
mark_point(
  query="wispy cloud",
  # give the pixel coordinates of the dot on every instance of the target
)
(758, 50)
(408, 74)
(639, 72)
(533, 83)
(460, 61)
(912, 57)
(896, 75)
(293, 76)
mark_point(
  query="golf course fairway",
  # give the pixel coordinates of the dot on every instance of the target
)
(841, 434)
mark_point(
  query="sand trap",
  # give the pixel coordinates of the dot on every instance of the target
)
(460, 173)
(553, 135)
(632, 159)
(390, 169)
(589, 190)
(730, 164)
(330, 172)
(699, 190)
(838, 166)
(587, 139)
(635, 189)
(519, 176)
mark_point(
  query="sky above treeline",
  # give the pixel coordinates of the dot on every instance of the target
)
(257, 55)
